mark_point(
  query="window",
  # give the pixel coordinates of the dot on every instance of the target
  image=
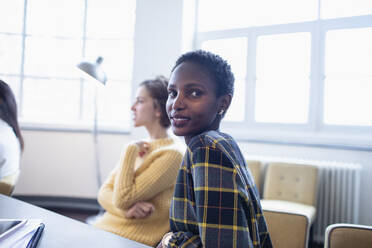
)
(348, 81)
(42, 41)
(303, 70)
(243, 13)
(283, 62)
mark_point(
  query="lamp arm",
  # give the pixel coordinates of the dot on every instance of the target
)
(95, 139)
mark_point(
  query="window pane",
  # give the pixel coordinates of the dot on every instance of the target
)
(111, 18)
(233, 50)
(243, 13)
(282, 100)
(51, 101)
(283, 54)
(52, 57)
(62, 18)
(10, 54)
(343, 8)
(113, 103)
(236, 112)
(348, 101)
(117, 55)
(349, 52)
(283, 85)
(11, 16)
(348, 83)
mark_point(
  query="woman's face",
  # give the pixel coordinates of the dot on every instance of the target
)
(192, 104)
(144, 111)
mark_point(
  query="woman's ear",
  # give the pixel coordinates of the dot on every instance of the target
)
(225, 102)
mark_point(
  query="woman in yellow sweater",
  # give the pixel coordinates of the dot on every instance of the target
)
(137, 193)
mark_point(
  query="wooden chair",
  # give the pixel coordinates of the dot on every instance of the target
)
(343, 235)
(289, 201)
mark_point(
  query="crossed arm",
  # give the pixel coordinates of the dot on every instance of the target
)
(139, 210)
(126, 194)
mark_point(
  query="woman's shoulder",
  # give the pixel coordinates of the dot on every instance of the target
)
(212, 138)
(7, 134)
(4, 127)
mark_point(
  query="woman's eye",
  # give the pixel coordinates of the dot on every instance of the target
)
(172, 93)
(195, 93)
(138, 101)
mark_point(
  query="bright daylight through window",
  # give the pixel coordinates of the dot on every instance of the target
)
(303, 68)
(40, 47)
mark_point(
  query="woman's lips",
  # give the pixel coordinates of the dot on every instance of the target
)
(179, 121)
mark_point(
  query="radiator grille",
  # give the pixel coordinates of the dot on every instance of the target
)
(338, 197)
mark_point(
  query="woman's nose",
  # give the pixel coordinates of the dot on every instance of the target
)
(179, 102)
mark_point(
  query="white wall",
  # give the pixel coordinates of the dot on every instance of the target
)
(62, 163)
(157, 38)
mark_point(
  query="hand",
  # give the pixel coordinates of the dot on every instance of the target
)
(160, 245)
(140, 210)
(164, 242)
(143, 148)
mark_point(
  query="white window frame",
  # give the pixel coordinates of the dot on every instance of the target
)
(314, 132)
(80, 125)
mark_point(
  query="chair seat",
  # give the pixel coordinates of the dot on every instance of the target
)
(307, 211)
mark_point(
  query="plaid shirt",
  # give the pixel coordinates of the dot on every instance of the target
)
(215, 202)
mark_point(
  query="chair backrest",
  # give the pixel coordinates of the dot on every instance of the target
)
(291, 182)
(8, 183)
(343, 235)
(256, 167)
(287, 230)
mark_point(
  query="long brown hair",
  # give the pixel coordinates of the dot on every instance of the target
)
(8, 110)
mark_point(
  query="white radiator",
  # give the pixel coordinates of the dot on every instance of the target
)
(338, 192)
(338, 196)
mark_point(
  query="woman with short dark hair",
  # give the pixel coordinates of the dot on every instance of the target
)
(215, 203)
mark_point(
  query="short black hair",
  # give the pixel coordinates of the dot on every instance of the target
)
(218, 69)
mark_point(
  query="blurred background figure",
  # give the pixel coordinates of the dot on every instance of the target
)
(137, 193)
(11, 141)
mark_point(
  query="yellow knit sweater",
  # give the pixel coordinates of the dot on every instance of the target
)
(153, 181)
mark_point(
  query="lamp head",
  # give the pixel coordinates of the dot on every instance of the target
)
(94, 70)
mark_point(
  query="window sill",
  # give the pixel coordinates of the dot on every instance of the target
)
(76, 127)
(321, 139)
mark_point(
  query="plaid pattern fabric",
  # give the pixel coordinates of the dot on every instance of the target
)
(215, 202)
